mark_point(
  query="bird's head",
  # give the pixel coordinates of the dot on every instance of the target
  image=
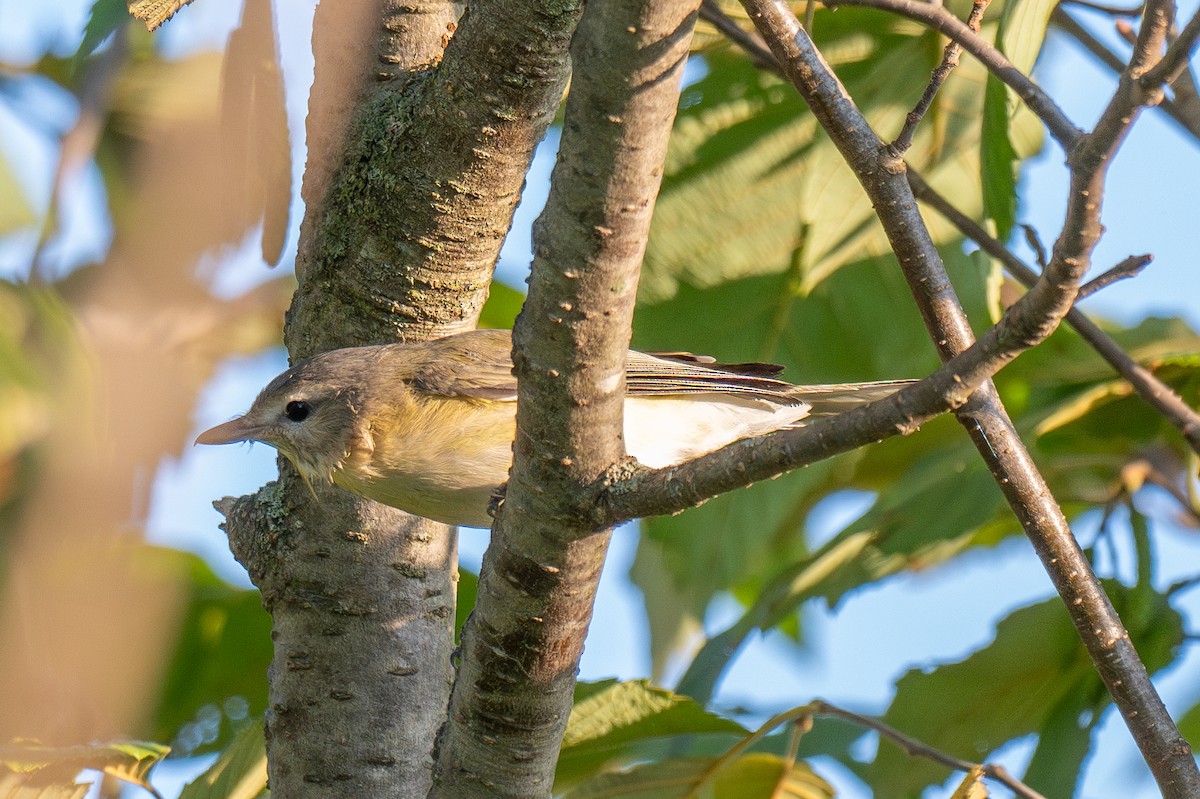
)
(309, 413)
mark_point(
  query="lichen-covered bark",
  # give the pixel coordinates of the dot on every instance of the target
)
(357, 600)
(432, 174)
(418, 153)
(522, 646)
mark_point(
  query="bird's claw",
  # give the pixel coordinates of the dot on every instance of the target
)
(496, 500)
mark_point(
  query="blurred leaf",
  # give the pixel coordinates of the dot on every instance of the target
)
(755, 776)
(223, 651)
(15, 212)
(1034, 677)
(609, 716)
(239, 773)
(254, 130)
(155, 12)
(128, 761)
(105, 17)
(15, 786)
(1189, 726)
(502, 306)
(972, 786)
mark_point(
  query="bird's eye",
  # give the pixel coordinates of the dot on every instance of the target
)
(297, 410)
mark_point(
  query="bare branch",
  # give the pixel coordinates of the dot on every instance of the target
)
(938, 17)
(949, 61)
(1024, 324)
(1178, 111)
(1175, 60)
(1130, 267)
(763, 58)
(1158, 394)
(1031, 238)
(802, 718)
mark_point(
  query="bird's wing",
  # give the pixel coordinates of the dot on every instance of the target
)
(684, 373)
(477, 365)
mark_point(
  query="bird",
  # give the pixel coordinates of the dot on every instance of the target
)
(427, 427)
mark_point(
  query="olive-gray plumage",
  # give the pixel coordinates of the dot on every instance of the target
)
(427, 427)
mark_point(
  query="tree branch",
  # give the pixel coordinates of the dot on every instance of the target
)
(1031, 319)
(1176, 110)
(938, 17)
(1158, 394)
(949, 61)
(522, 645)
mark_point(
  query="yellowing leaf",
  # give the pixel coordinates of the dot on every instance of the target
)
(972, 786)
(155, 12)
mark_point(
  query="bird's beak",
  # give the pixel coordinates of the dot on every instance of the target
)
(240, 429)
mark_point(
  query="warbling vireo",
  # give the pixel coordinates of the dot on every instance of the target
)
(428, 427)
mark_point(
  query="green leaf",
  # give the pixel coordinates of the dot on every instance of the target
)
(468, 590)
(1189, 726)
(610, 716)
(128, 761)
(741, 541)
(1034, 677)
(239, 773)
(106, 16)
(997, 159)
(1006, 123)
(755, 776)
(502, 306)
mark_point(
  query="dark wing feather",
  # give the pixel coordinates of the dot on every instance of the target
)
(682, 373)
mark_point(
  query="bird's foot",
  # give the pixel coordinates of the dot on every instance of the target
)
(496, 500)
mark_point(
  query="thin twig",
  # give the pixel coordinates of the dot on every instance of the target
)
(802, 717)
(1155, 392)
(915, 748)
(1175, 59)
(1035, 243)
(1130, 267)
(751, 43)
(949, 61)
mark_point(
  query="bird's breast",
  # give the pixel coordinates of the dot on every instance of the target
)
(437, 457)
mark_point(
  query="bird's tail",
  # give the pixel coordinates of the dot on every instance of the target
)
(840, 397)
